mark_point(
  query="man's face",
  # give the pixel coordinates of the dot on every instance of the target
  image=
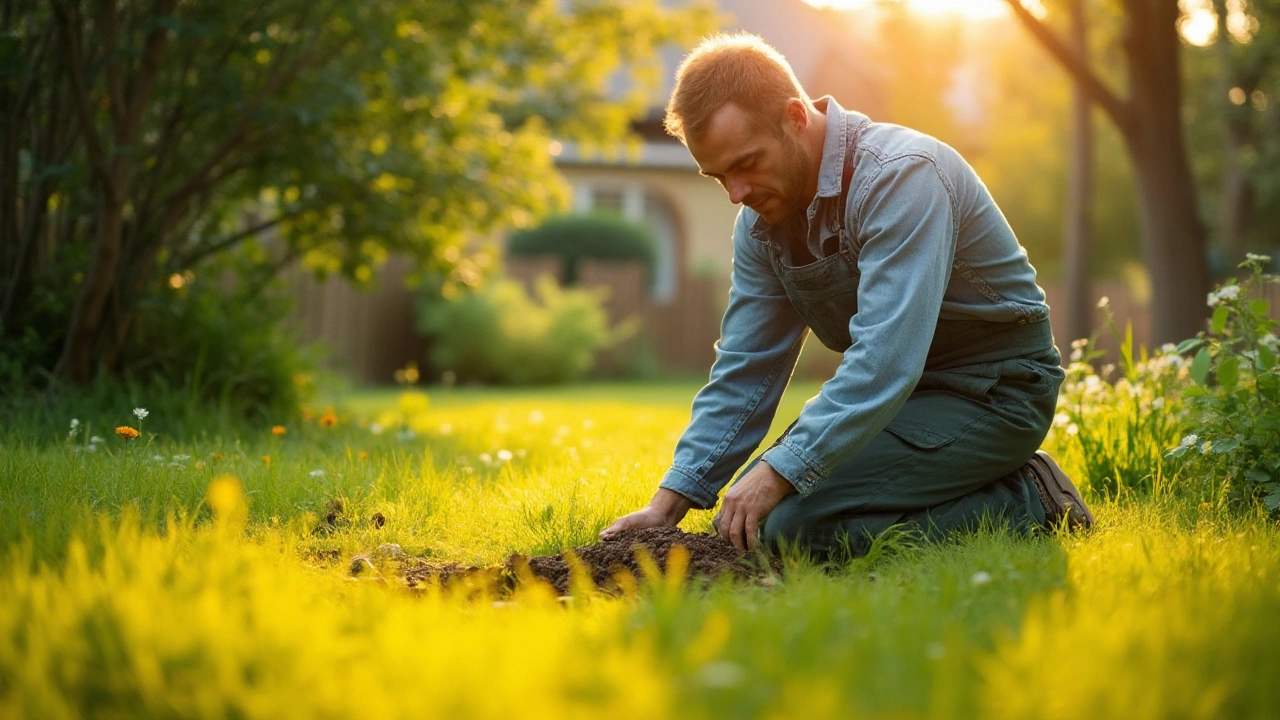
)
(762, 170)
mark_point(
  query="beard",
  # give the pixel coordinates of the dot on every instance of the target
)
(795, 172)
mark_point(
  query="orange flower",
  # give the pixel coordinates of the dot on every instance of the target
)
(217, 457)
(267, 459)
(126, 432)
(364, 455)
(328, 420)
(278, 430)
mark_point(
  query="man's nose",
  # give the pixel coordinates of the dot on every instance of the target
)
(738, 190)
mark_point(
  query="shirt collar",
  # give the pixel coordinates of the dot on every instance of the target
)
(831, 171)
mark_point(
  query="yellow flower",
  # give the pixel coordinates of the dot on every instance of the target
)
(364, 455)
(278, 430)
(267, 459)
(328, 420)
(126, 432)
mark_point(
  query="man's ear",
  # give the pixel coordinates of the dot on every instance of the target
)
(797, 115)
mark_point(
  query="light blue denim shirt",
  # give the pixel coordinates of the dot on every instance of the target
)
(919, 240)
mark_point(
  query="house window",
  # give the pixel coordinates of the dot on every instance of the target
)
(632, 202)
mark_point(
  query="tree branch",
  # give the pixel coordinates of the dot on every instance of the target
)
(1078, 67)
(83, 100)
(199, 178)
(222, 244)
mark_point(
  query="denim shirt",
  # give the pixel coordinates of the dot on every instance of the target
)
(917, 240)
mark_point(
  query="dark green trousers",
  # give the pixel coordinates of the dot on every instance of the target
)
(950, 459)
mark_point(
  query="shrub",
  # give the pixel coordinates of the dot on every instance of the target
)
(575, 237)
(1235, 402)
(1123, 426)
(499, 334)
(201, 343)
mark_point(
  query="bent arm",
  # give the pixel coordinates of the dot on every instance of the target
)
(760, 339)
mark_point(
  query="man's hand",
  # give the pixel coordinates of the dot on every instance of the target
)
(666, 508)
(748, 501)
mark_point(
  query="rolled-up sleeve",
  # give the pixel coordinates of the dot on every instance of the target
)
(907, 236)
(760, 338)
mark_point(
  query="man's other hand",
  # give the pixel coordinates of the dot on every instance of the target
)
(748, 501)
(665, 509)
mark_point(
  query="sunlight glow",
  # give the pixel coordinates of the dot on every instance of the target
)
(971, 9)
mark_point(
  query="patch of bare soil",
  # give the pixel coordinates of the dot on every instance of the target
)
(709, 557)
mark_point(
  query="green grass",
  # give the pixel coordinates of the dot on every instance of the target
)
(123, 592)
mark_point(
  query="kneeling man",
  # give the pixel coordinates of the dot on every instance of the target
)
(884, 243)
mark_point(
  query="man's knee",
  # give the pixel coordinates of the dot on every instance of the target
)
(784, 525)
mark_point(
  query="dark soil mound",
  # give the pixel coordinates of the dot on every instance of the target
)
(709, 557)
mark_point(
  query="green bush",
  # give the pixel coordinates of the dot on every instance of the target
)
(1235, 402)
(500, 335)
(211, 347)
(576, 237)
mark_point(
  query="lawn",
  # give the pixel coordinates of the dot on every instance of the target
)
(207, 574)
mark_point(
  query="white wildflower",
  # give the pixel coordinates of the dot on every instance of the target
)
(1073, 429)
(1189, 440)
(406, 435)
(157, 458)
(536, 417)
(1168, 348)
(485, 458)
(1077, 355)
(1061, 419)
(141, 413)
(1104, 301)
(588, 424)
(1158, 403)
(1270, 342)
(1205, 447)
(181, 458)
(1264, 259)
(446, 429)
(504, 455)
(316, 473)
(980, 578)
(376, 428)
(95, 440)
(1223, 294)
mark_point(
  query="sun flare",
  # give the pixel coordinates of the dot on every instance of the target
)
(973, 9)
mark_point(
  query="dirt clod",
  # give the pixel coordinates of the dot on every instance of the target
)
(709, 557)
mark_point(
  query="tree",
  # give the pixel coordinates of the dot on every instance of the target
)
(1150, 120)
(142, 138)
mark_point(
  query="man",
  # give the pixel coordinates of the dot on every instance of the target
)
(887, 246)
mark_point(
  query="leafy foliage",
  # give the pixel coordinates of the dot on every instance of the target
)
(1122, 426)
(139, 140)
(500, 334)
(1236, 396)
(575, 237)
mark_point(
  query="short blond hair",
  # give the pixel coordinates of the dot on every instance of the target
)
(738, 68)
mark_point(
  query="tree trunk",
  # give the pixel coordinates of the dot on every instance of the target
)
(77, 361)
(1077, 240)
(1173, 238)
